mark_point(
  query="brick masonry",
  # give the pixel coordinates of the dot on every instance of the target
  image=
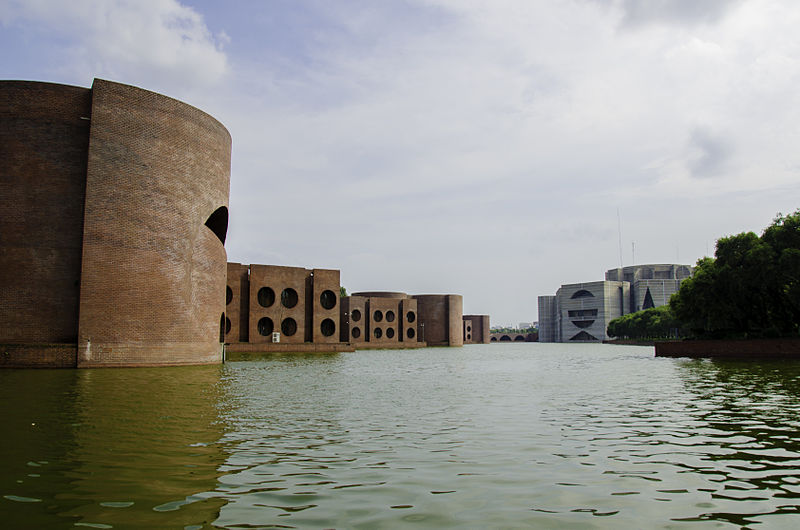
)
(113, 234)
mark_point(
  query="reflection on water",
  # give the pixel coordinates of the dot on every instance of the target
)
(499, 436)
(107, 448)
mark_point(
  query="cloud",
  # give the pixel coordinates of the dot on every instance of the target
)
(157, 43)
(638, 13)
(709, 153)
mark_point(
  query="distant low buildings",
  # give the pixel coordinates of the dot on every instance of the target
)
(581, 312)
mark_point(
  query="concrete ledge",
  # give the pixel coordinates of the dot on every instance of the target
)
(751, 349)
(285, 347)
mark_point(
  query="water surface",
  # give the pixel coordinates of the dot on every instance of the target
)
(485, 436)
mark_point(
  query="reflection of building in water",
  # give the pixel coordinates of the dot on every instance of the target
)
(581, 312)
(113, 221)
(129, 448)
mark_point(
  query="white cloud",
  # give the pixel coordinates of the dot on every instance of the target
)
(160, 44)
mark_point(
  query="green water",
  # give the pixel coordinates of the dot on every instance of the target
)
(496, 436)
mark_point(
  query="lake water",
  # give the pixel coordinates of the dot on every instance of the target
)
(485, 436)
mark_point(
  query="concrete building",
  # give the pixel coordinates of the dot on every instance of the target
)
(476, 329)
(112, 227)
(268, 304)
(380, 319)
(581, 312)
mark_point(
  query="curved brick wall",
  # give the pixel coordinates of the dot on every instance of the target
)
(44, 137)
(441, 315)
(153, 272)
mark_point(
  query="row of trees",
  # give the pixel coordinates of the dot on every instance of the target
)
(750, 289)
(653, 323)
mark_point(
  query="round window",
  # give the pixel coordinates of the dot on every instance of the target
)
(289, 327)
(390, 316)
(327, 327)
(410, 316)
(410, 333)
(327, 299)
(355, 315)
(265, 327)
(289, 298)
(390, 333)
(378, 333)
(266, 297)
(228, 295)
(356, 333)
(227, 325)
(377, 316)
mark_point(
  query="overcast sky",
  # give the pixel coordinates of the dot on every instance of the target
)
(486, 148)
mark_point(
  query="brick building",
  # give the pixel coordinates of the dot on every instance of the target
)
(112, 227)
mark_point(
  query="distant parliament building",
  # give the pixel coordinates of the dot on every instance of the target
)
(581, 312)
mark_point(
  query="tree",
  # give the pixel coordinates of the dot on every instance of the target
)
(342, 292)
(653, 323)
(750, 289)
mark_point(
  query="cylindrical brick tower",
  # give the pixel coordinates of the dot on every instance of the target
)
(112, 226)
(155, 219)
(440, 319)
(44, 139)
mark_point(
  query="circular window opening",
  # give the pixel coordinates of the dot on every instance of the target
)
(410, 316)
(327, 299)
(265, 327)
(228, 295)
(289, 327)
(266, 297)
(356, 333)
(469, 337)
(469, 328)
(289, 297)
(410, 333)
(378, 333)
(390, 333)
(355, 315)
(327, 327)
(377, 316)
(390, 316)
(227, 325)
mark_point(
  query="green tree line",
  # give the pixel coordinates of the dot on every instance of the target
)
(749, 289)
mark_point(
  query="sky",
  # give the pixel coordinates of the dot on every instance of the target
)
(495, 149)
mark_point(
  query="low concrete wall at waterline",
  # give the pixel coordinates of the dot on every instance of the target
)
(749, 349)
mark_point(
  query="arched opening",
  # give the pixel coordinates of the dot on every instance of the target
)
(505, 338)
(222, 327)
(217, 222)
(519, 338)
(583, 293)
(493, 339)
(228, 294)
